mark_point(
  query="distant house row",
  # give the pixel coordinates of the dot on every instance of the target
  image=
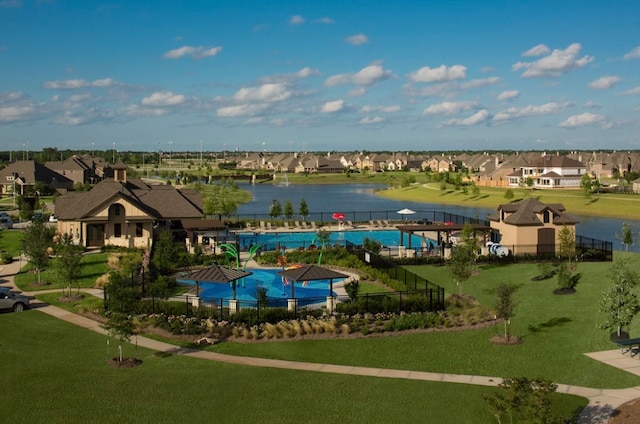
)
(495, 170)
(60, 176)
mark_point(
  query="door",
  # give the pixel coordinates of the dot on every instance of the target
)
(547, 241)
(95, 235)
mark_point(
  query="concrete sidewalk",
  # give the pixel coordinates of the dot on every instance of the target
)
(602, 402)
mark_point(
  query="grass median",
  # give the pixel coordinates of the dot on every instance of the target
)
(58, 373)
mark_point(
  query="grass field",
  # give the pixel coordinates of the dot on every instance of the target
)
(574, 201)
(11, 241)
(94, 266)
(55, 372)
(557, 331)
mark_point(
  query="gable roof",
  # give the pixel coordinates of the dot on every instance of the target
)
(32, 172)
(526, 212)
(159, 202)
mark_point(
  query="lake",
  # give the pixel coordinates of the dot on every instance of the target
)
(359, 203)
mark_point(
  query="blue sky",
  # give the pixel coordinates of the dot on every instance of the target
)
(320, 75)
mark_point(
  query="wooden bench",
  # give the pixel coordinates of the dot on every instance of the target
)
(627, 345)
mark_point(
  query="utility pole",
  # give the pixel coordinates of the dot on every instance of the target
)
(201, 153)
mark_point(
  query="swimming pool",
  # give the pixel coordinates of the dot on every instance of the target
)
(279, 240)
(278, 290)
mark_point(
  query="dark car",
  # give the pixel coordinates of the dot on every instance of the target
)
(12, 301)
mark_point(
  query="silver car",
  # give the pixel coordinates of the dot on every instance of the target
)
(12, 301)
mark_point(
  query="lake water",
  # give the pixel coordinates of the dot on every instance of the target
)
(359, 203)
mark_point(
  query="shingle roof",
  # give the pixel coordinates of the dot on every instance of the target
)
(160, 202)
(526, 212)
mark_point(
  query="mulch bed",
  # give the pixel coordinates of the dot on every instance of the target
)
(629, 413)
(125, 363)
(72, 298)
(502, 340)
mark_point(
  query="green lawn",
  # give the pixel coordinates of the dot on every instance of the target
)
(557, 331)
(610, 205)
(57, 373)
(94, 266)
(11, 241)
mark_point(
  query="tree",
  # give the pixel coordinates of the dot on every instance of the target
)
(524, 398)
(509, 194)
(462, 262)
(304, 209)
(164, 251)
(567, 240)
(626, 236)
(619, 303)
(69, 262)
(122, 327)
(586, 185)
(38, 239)
(275, 210)
(505, 305)
(288, 209)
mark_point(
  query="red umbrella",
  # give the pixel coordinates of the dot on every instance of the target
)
(339, 216)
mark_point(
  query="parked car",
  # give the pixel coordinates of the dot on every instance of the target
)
(13, 301)
(6, 223)
(52, 218)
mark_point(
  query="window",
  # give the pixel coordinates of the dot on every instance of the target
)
(547, 217)
(117, 210)
(139, 227)
(117, 230)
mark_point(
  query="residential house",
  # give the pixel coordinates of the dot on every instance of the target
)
(124, 212)
(530, 226)
(550, 171)
(22, 174)
(81, 169)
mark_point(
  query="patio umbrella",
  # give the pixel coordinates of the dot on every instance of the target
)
(217, 274)
(310, 273)
(406, 211)
(338, 215)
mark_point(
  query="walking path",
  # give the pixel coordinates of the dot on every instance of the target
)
(602, 402)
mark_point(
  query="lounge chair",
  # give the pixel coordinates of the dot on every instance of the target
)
(373, 223)
(286, 225)
(269, 226)
(386, 223)
(297, 224)
(303, 225)
(262, 226)
(313, 225)
(249, 226)
(350, 224)
(380, 224)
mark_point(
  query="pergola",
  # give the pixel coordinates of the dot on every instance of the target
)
(217, 274)
(312, 273)
(439, 229)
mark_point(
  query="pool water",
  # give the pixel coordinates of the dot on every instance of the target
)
(274, 241)
(278, 290)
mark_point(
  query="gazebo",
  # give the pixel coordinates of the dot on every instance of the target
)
(311, 273)
(220, 275)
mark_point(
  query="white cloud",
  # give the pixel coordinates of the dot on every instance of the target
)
(357, 40)
(163, 99)
(10, 96)
(439, 74)
(79, 83)
(332, 106)
(198, 52)
(16, 113)
(357, 92)
(78, 98)
(449, 108)
(371, 120)
(325, 20)
(241, 110)
(379, 109)
(137, 110)
(264, 93)
(604, 82)
(296, 20)
(585, 119)
(635, 90)
(531, 110)
(557, 63)
(592, 105)
(509, 95)
(476, 118)
(11, 3)
(538, 50)
(307, 72)
(478, 82)
(448, 89)
(366, 76)
(633, 54)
